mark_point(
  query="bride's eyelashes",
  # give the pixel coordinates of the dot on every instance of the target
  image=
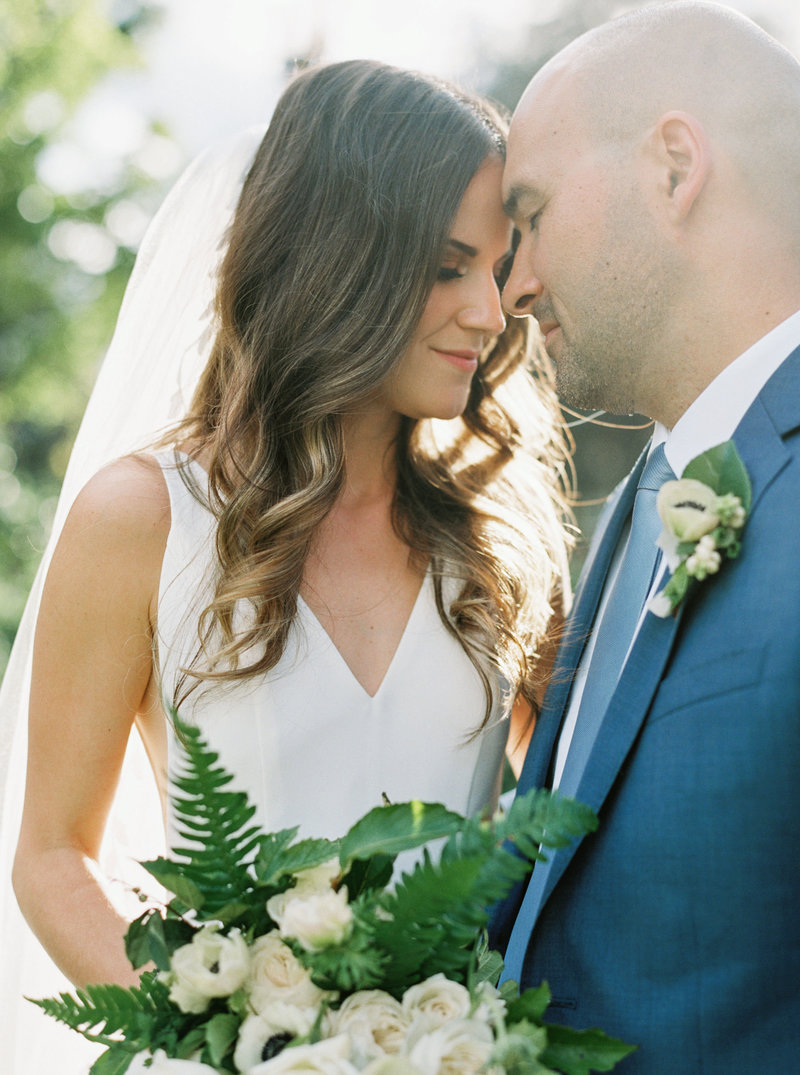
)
(449, 272)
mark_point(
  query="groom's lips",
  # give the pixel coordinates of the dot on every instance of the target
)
(547, 328)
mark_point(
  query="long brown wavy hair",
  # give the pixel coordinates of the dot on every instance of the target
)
(336, 243)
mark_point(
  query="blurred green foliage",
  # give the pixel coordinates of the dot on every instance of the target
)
(62, 268)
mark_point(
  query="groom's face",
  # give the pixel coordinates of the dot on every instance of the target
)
(586, 264)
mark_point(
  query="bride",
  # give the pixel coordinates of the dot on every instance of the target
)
(341, 560)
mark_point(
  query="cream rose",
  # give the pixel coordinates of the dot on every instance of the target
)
(460, 1047)
(213, 964)
(318, 920)
(437, 1000)
(276, 974)
(375, 1022)
(257, 1031)
(391, 1065)
(328, 1057)
(687, 508)
(309, 882)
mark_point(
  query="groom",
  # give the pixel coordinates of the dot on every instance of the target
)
(653, 174)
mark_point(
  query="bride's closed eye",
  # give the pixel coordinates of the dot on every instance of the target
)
(451, 272)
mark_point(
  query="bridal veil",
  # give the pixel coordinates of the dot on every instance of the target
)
(158, 350)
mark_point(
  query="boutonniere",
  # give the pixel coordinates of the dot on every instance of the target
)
(703, 513)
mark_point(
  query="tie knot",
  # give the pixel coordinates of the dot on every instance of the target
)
(656, 470)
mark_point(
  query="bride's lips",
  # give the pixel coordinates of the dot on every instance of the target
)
(463, 360)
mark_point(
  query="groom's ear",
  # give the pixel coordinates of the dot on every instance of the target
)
(680, 152)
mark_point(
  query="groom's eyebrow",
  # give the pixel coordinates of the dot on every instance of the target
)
(517, 194)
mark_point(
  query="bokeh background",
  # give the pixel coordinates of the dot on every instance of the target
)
(103, 102)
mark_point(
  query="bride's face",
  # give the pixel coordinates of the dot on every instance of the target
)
(463, 312)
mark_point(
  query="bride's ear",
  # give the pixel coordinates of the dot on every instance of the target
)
(679, 150)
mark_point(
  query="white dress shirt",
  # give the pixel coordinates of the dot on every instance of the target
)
(710, 420)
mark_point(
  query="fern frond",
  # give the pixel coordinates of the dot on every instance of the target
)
(104, 1012)
(212, 869)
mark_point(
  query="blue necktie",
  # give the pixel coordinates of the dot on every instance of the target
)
(613, 638)
(616, 629)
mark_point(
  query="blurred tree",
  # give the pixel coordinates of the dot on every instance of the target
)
(70, 218)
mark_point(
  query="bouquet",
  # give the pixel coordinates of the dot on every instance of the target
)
(280, 955)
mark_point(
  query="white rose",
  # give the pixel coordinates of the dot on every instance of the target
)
(328, 1057)
(318, 920)
(257, 1031)
(437, 1000)
(277, 974)
(460, 1047)
(213, 964)
(686, 507)
(307, 883)
(165, 1065)
(375, 1022)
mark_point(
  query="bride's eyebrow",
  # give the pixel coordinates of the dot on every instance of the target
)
(464, 248)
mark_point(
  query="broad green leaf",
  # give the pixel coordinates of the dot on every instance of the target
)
(173, 877)
(271, 847)
(305, 854)
(115, 1061)
(722, 469)
(145, 940)
(221, 1033)
(531, 1004)
(366, 875)
(579, 1052)
(400, 827)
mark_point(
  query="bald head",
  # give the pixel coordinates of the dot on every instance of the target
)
(701, 58)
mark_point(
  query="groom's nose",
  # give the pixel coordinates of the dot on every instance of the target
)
(523, 286)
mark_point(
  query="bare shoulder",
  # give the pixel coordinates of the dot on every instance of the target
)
(119, 520)
(126, 499)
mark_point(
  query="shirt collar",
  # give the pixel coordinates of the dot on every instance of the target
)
(717, 411)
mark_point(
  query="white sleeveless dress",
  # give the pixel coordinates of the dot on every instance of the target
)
(306, 742)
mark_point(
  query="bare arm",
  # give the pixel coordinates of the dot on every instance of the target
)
(92, 667)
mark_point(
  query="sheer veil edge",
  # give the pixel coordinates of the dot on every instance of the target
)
(158, 350)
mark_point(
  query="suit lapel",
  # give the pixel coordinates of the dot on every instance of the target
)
(618, 509)
(759, 441)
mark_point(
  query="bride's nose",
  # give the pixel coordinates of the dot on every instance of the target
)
(484, 309)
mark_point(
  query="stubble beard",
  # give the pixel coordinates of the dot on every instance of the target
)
(611, 361)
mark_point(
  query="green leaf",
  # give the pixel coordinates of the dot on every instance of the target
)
(172, 876)
(531, 1004)
(221, 1032)
(306, 854)
(145, 941)
(722, 470)
(388, 830)
(366, 875)
(115, 1061)
(488, 963)
(268, 864)
(579, 1052)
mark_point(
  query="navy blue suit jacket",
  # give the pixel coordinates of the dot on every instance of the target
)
(677, 924)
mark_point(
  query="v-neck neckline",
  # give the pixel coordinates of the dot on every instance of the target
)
(311, 615)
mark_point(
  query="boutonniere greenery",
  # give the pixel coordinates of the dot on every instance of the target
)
(704, 513)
